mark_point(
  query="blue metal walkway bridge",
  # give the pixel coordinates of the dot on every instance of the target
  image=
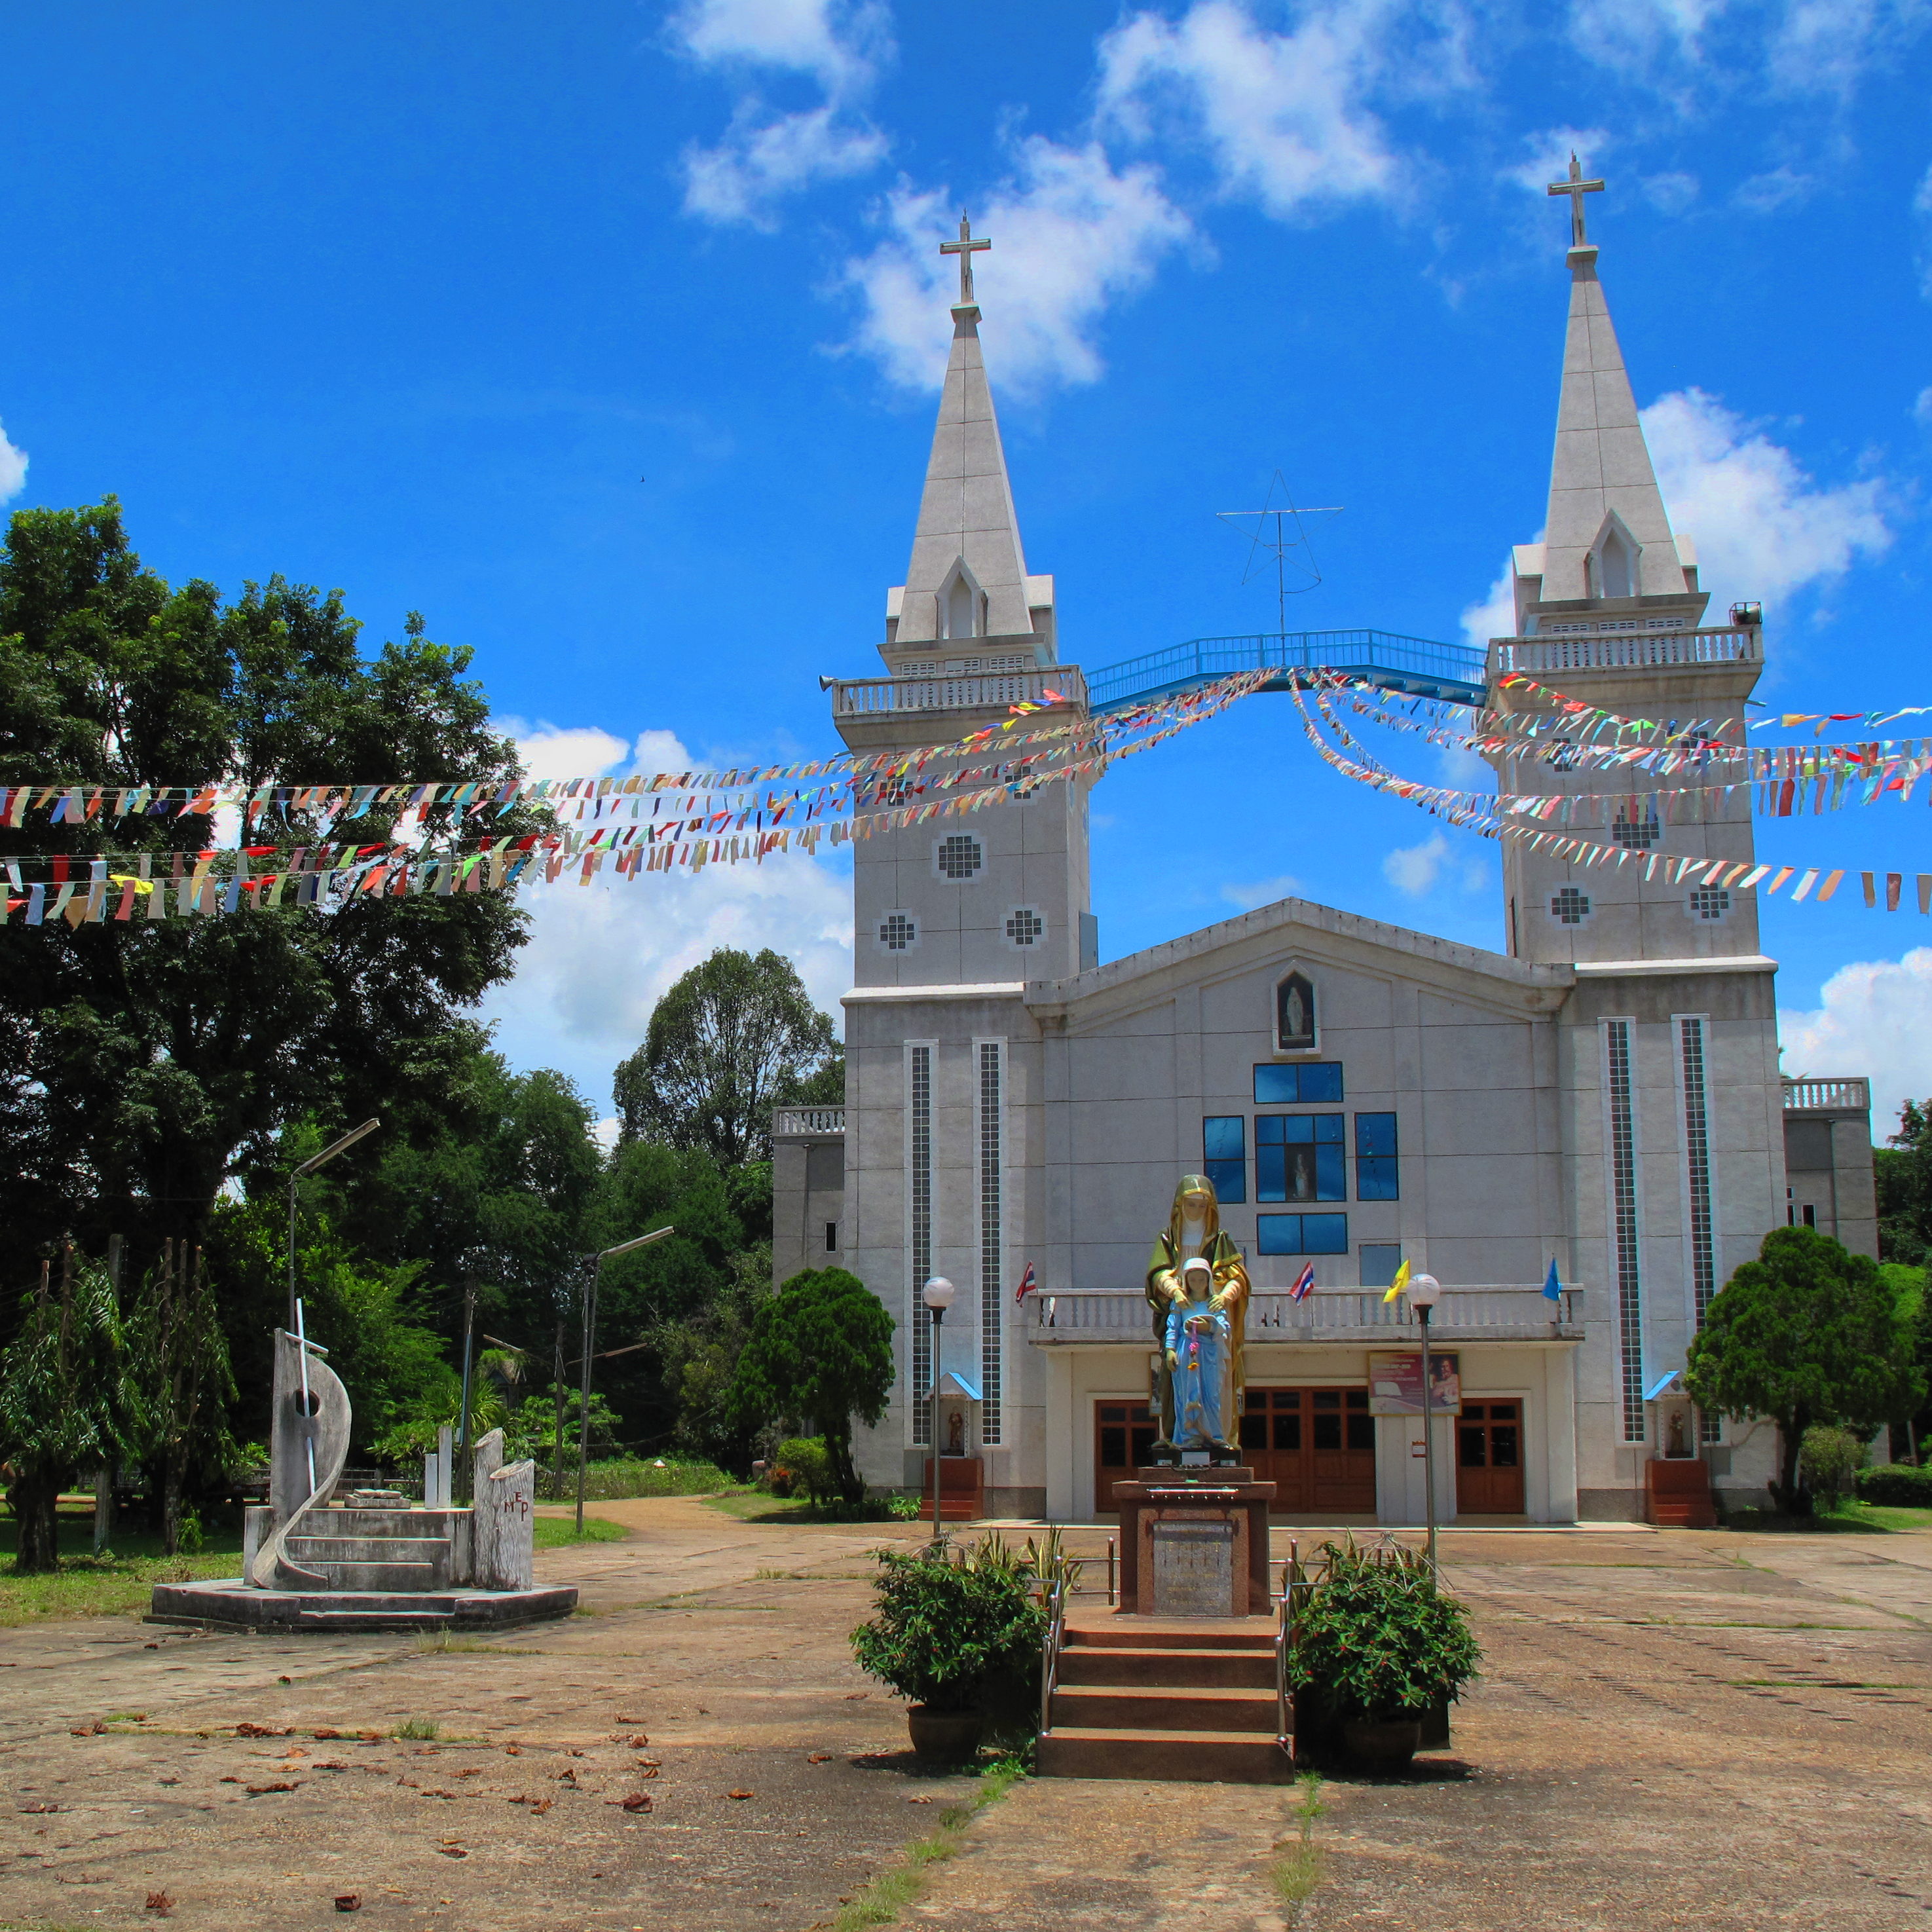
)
(1414, 667)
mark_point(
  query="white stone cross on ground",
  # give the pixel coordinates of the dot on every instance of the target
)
(1576, 187)
(965, 248)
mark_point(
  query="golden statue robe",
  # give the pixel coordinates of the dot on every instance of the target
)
(1164, 1290)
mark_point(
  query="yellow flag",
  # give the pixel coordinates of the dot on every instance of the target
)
(1400, 1282)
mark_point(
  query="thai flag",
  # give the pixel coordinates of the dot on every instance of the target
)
(1304, 1284)
(1027, 1284)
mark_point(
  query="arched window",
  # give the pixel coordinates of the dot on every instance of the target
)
(1294, 1015)
(1616, 566)
(962, 611)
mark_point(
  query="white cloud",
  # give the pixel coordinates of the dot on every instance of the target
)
(838, 45)
(1285, 118)
(12, 469)
(1547, 154)
(1921, 206)
(1262, 892)
(1071, 234)
(1669, 193)
(1921, 409)
(1639, 37)
(1493, 615)
(1766, 193)
(600, 956)
(1827, 46)
(1415, 869)
(1762, 529)
(1874, 1018)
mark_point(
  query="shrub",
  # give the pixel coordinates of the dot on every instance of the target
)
(957, 1631)
(1828, 1461)
(631, 1476)
(806, 1464)
(1901, 1485)
(1378, 1640)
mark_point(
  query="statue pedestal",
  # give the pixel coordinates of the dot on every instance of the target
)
(1194, 1543)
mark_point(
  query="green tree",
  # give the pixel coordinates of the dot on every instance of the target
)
(1913, 1304)
(1806, 1333)
(820, 1352)
(178, 1359)
(144, 1064)
(66, 1403)
(734, 1037)
(1903, 1172)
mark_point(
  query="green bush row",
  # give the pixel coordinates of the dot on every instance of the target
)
(634, 1476)
(1901, 1485)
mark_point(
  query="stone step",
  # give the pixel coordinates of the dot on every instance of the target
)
(394, 1578)
(352, 1620)
(1156, 1707)
(1126, 1633)
(1181, 1756)
(1227, 1669)
(316, 1550)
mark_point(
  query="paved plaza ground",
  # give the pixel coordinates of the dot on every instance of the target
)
(1674, 1728)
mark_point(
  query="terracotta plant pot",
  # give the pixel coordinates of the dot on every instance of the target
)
(945, 1737)
(1382, 1746)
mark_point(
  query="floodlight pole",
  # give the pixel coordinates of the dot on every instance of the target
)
(307, 1167)
(597, 1261)
(937, 1295)
(1424, 1290)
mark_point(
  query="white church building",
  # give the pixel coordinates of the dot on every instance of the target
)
(1605, 1094)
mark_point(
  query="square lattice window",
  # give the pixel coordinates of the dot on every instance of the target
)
(1024, 926)
(1709, 902)
(959, 857)
(1635, 835)
(897, 932)
(1569, 906)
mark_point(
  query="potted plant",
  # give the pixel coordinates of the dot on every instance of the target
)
(958, 1633)
(1377, 1644)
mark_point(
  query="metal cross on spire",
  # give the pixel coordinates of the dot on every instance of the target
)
(1576, 187)
(966, 247)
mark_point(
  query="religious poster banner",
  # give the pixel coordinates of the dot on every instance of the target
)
(1395, 1381)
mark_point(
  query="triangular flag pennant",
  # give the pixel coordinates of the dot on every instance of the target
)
(1552, 1284)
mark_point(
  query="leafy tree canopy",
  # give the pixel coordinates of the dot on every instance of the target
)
(820, 1350)
(1902, 1172)
(143, 1064)
(1806, 1333)
(735, 1037)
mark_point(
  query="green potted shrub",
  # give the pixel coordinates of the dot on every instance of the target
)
(1377, 1645)
(959, 1634)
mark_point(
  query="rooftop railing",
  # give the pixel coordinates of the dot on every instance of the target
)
(1463, 1314)
(807, 1122)
(1624, 650)
(1418, 665)
(864, 697)
(1806, 1096)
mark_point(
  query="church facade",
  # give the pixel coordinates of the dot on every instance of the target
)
(1605, 1094)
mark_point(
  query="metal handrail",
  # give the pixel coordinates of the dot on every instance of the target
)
(1049, 1654)
(1283, 1636)
(1419, 665)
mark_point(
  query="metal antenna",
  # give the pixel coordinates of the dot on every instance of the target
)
(1279, 544)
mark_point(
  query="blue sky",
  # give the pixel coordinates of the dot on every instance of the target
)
(607, 336)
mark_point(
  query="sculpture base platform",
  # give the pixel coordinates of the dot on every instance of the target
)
(228, 1603)
(1194, 1543)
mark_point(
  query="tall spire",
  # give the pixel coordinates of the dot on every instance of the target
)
(967, 575)
(1607, 536)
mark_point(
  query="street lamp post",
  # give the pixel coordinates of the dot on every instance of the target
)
(597, 1261)
(937, 1296)
(1424, 1291)
(307, 1167)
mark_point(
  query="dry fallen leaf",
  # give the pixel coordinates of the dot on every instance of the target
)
(630, 1720)
(319, 1766)
(452, 1851)
(819, 1757)
(319, 1736)
(371, 1737)
(852, 1696)
(160, 1903)
(93, 1730)
(632, 1800)
(638, 1742)
(919, 1801)
(513, 1750)
(285, 1680)
(295, 1750)
(41, 1805)
(279, 1784)
(542, 1805)
(349, 1901)
(738, 1794)
(647, 1771)
(231, 1781)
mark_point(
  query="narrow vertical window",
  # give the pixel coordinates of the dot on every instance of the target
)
(1224, 1155)
(992, 1232)
(918, 1245)
(1621, 1124)
(1701, 1228)
(1378, 1176)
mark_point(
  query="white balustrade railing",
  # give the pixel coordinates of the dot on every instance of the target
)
(1462, 1312)
(1624, 650)
(1853, 1094)
(860, 696)
(795, 1121)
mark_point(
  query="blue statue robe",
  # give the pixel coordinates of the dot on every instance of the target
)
(1203, 1383)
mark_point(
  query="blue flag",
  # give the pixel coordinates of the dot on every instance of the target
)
(1553, 1287)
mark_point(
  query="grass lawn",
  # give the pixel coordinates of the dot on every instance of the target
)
(1871, 1518)
(755, 1505)
(557, 1532)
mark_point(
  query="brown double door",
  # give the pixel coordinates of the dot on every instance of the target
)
(1316, 1445)
(1123, 1434)
(1489, 1458)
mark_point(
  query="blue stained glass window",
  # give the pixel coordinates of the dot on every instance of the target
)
(1224, 1148)
(1298, 1157)
(1377, 1177)
(1313, 1083)
(1302, 1234)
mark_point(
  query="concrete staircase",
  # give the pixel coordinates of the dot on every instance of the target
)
(1166, 1698)
(389, 1550)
